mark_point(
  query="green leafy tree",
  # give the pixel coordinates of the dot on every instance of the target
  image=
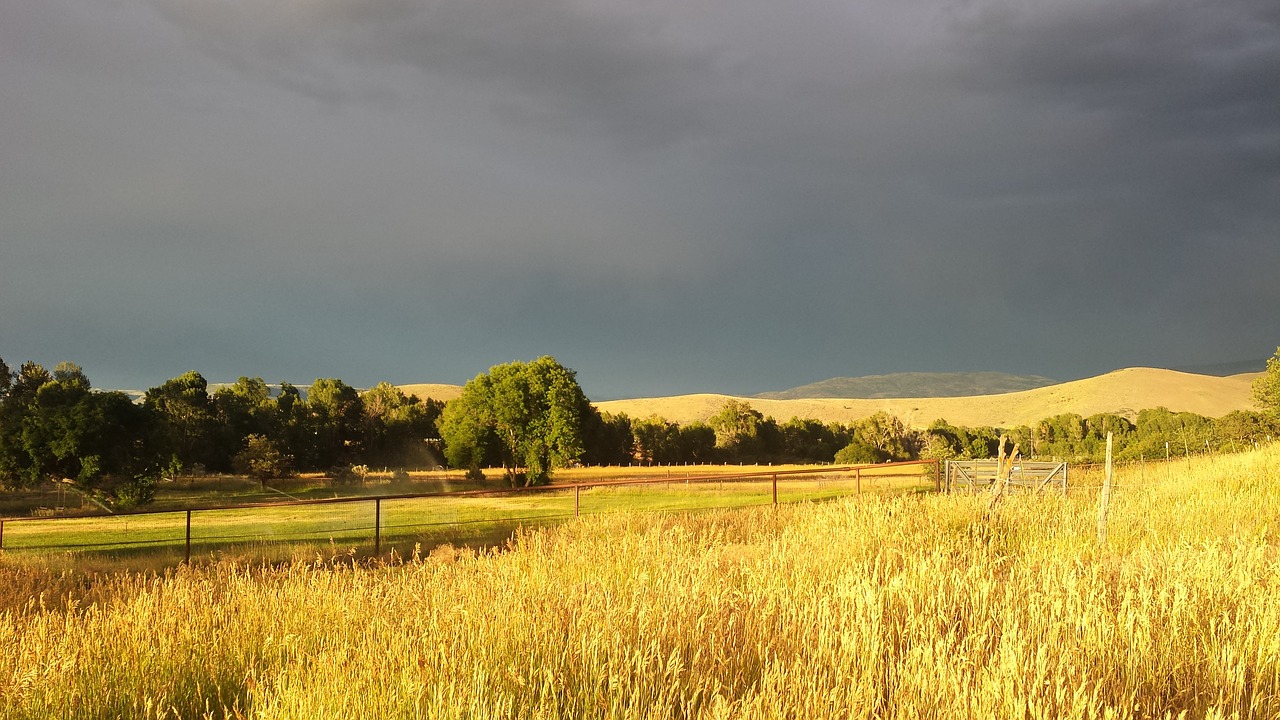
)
(6, 379)
(527, 414)
(262, 459)
(606, 438)
(66, 430)
(696, 443)
(656, 441)
(242, 409)
(16, 405)
(737, 427)
(337, 419)
(1266, 388)
(397, 427)
(188, 422)
(1240, 429)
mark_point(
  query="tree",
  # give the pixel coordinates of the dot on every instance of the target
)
(16, 405)
(607, 439)
(737, 428)
(527, 414)
(66, 430)
(396, 426)
(262, 459)
(245, 408)
(6, 379)
(188, 424)
(337, 419)
(1266, 388)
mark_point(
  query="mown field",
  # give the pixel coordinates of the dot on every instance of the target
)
(908, 606)
(154, 540)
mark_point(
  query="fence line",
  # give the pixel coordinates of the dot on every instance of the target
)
(872, 472)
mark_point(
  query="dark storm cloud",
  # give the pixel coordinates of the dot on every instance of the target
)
(670, 196)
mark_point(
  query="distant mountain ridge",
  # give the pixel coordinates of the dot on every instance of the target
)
(913, 385)
(1226, 369)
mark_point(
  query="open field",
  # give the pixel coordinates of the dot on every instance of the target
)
(273, 532)
(885, 607)
(1123, 392)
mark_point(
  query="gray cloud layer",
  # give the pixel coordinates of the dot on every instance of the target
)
(668, 196)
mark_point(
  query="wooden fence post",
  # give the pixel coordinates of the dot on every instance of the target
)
(1105, 499)
(775, 488)
(188, 558)
(577, 498)
(857, 476)
(377, 526)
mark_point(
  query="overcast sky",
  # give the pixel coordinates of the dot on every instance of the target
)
(667, 195)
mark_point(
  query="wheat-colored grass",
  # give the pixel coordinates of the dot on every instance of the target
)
(910, 607)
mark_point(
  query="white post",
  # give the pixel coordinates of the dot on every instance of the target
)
(1104, 500)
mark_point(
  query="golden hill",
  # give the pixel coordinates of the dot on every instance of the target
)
(435, 391)
(1124, 392)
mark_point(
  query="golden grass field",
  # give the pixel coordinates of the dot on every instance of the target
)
(1124, 392)
(919, 606)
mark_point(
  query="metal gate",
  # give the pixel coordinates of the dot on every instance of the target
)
(1029, 475)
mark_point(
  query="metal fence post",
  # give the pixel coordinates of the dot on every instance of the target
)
(857, 475)
(937, 474)
(188, 558)
(577, 498)
(377, 526)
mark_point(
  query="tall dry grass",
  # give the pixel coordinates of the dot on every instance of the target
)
(920, 607)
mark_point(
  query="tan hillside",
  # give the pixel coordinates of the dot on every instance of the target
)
(435, 391)
(1124, 392)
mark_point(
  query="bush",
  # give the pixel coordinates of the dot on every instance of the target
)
(262, 459)
(140, 490)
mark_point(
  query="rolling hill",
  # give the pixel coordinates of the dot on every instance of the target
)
(913, 385)
(1124, 392)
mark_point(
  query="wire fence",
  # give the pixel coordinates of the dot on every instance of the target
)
(401, 521)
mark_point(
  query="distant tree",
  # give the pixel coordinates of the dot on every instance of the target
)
(606, 439)
(397, 426)
(6, 379)
(70, 374)
(655, 440)
(809, 441)
(737, 428)
(858, 452)
(295, 433)
(886, 436)
(696, 443)
(262, 459)
(1240, 429)
(16, 406)
(66, 430)
(188, 423)
(337, 415)
(530, 413)
(1266, 388)
(241, 409)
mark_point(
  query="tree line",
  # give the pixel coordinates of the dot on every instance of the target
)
(54, 425)
(528, 418)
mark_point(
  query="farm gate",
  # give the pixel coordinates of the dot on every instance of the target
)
(975, 475)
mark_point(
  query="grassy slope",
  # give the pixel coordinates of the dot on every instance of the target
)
(913, 384)
(1123, 391)
(887, 608)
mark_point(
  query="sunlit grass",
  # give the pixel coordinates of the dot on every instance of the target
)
(880, 606)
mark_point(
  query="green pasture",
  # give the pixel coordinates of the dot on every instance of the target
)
(406, 524)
